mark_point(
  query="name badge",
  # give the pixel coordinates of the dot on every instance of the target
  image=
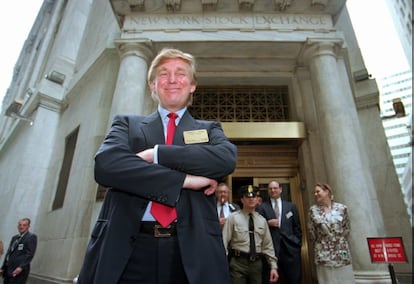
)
(20, 247)
(195, 136)
(289, 214)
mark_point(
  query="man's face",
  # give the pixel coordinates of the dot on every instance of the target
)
(274, 190)
(23, 226)
(173, 84)
(222, 193)
(249, 202)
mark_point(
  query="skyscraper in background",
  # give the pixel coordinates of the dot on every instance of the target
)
(386, 45)
(398, 129)
(401, 13)
(398, 126)
(397, 87)
(87, 61)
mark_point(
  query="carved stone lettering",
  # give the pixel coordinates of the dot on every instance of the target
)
(224, 22)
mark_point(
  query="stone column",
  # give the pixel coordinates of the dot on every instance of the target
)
(130, 90)
(346, 166)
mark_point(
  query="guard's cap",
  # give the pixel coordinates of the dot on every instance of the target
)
(248, 191)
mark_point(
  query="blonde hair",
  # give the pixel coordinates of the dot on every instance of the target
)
(171, 53)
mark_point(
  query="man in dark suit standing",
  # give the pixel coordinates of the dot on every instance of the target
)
(284, 223)
(158, 222)
(16, 265)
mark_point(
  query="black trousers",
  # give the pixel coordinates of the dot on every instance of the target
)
(19, 279)
(154, 261)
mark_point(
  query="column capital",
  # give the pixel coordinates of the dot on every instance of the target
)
(314, 47)
(135, 47)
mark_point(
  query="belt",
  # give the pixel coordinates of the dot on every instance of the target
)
(238, 253)
(158, 231)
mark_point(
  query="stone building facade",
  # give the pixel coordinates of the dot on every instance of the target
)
(285, 78)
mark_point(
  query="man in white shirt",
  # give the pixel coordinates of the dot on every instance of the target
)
(283, 219)
(224, 207)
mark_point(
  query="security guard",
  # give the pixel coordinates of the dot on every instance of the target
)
(248, 235)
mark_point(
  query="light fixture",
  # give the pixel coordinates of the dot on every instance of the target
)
(361, 75)
(14, 111)
(399, 109)
(56, 77)
(30, 91)
(14, 107)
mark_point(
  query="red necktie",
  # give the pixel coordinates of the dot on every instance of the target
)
(164, 214)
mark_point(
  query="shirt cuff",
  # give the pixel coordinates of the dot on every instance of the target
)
(156, 154)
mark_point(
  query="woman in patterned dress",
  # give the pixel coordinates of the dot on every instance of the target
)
(329, 227)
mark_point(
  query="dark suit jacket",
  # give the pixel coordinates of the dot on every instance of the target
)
(21, 256)
(133, 182)
(289, 235)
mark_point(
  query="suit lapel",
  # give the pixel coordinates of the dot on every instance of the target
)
(282, 213)
(270, 208)
(13, 244)
(16, 241)
(285, 210)
(153, 129)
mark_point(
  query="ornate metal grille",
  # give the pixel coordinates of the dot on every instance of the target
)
(241, 104)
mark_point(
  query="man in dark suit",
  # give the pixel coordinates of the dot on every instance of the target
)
(284, 223)
(130, 242)
(16, 265)
(224, 206)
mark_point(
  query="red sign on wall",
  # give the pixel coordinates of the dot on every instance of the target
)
(387, 249)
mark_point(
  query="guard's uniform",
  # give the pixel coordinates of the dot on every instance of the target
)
(237, 243)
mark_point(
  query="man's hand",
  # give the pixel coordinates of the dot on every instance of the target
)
(273, 222)
(198, 182)
(274, 276)
(191, 182)
(147, 155)
(222, 222)
(17, 271)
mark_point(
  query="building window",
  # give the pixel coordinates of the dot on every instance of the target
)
(241, 104)
(65, 169)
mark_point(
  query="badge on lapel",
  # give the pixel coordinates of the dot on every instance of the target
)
(195, 136)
